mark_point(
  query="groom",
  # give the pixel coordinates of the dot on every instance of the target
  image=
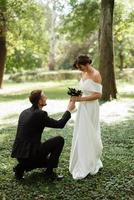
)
(28, 149)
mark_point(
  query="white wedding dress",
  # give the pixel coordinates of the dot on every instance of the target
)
(87, 146)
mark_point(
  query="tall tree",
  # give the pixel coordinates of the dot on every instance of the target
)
(51, 62)
(123, 34)
(82, 21)
(28, 26)
(80, 30)
(2, 38)
(55, 8)
(106, 50)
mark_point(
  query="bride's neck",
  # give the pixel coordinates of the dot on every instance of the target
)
(89, 70)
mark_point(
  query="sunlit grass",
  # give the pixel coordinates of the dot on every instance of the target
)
(8, 120)
(20, 91)
(125, 89)
(8, 86)
(114, 181)
(14, 98)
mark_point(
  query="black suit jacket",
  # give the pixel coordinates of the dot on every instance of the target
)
(31, 123)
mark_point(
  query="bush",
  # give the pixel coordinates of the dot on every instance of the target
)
(27, 60)
(44, 76)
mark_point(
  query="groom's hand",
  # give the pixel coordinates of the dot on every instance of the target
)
(71, 106)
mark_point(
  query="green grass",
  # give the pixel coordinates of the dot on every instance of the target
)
(54, 90)
(126, 95)
(52, 93)
(114, 181)
(125, 89)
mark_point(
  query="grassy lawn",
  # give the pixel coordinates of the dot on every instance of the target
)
(114, 181)
(20, 91)
(54, 90)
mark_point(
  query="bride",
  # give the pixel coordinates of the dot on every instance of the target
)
(87, 146)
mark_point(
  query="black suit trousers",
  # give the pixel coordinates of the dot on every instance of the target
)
(48, 156)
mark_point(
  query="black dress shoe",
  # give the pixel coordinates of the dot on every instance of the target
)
(18, 172)
(53, 176)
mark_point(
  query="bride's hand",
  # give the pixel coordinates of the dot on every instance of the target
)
(75, 98)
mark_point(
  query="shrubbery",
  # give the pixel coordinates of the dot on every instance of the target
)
(27, 60)
(41, 75)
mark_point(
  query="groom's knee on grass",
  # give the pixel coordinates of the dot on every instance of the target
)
(60, 139)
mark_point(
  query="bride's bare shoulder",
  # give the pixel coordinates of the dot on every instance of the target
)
(97, 76)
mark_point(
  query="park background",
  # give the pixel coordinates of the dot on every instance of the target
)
(39, 41)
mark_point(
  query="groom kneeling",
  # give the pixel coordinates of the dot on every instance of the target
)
(27, 147)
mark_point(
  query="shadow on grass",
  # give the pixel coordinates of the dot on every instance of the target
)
(114, 181)
(14, 96)
(52, 93)
(120, 96)
(126, 95)
(131, 110)
(8, 121)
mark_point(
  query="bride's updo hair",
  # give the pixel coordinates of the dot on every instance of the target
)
(82, 60)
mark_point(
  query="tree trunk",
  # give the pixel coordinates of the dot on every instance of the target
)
(121, 57)
(2, 58)
(106, 64)
(2, 42)
(51, 63)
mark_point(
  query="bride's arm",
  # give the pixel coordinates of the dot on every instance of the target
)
(91, 97)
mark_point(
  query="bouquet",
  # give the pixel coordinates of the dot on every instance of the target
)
(74, 92)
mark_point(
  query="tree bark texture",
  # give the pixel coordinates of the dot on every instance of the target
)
(3, 49)
(106, 54)
(51, 63)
